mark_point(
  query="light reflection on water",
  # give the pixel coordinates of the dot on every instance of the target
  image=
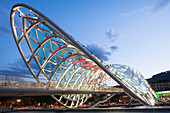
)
(139, 109)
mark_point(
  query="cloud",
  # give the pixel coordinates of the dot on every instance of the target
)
(161, 7)
(113, 48)
(100, 52)
(104, 50)
(162, 4)
(5, 29)
(127, 13)
(112, 34)
(19, 68)
(144, 10)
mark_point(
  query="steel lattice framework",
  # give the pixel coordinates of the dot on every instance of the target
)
(50, 52)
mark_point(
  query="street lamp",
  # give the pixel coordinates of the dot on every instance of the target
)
(18, 101)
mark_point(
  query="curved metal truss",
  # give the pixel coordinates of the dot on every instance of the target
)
(50, 52)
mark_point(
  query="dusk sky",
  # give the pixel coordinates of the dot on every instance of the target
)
(130, 32)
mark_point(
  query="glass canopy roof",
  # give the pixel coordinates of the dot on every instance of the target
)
(65, 63)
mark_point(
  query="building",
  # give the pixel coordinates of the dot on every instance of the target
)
(160, 86)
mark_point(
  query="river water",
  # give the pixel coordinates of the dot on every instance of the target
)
(84, 112)
(141, 109)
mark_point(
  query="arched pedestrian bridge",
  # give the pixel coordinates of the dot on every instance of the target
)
(65, 64)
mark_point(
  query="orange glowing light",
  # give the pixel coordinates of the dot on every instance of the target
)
(18, 100)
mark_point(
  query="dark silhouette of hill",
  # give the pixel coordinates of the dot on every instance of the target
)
(159, 78)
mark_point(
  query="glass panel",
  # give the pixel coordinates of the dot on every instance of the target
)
(59, 60)
(53, 66)
(54, 47)
(131, 77)
(53, 59)
(33, 44)
(47, 53)
(40, 36)
(47, 67)
(64, 54)
(47, 45)
(34, 66)
(25, 49)
(48, 74)
(32, 33)
(40, 60)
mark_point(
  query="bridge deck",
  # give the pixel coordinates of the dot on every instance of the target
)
(26, 86)
(19, 91)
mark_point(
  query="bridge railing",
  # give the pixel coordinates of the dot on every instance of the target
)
(20, 81)
(28, 82)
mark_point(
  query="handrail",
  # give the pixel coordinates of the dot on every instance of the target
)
(28, 82)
